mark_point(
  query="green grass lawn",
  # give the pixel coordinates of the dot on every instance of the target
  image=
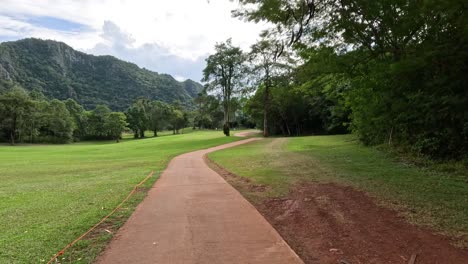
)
(425, 196)
(50, 194)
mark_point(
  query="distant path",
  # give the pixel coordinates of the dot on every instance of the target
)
(247, 133)
(192, 215)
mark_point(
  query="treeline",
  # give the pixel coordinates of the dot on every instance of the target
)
(155, 116)
(209, 112)
(392, 72)
(29, 117)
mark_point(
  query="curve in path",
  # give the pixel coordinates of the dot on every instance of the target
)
(192, 215)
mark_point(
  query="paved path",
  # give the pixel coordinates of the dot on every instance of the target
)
(192, 215)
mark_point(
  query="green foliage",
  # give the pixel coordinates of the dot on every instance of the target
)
(138, 118)
(224, 73)
(95, 121)
(77, 113)
(397, 69)
(265, 57)
(115, 124)
(58, 123)
(15, 105)
(30, 117)
(60, 72)
(158, 116)
(209, 113)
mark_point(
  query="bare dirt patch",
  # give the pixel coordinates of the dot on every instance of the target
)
(329, 223)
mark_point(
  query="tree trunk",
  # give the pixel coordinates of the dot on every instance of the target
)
(12, 137)
(283, 132)
(155, 132)
(31, 134)
(390, 136)
(142, 133)
(226, 128)
(266, 108)
(13, 131)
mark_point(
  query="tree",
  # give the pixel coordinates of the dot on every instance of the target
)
(36, 121)
(95, 122)
(138, 118)
(268, 64)
(398, 68)
(59, 123)
(115, 124)
(178, 120)
(224, 73)
(177, 117)
(77, 113)
(157, 116)
(15, 106)
(209, 113)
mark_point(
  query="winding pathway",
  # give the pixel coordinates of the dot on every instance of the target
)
(192, 215)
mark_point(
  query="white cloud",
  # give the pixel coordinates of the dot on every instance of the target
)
(150, 55)
(170, 36)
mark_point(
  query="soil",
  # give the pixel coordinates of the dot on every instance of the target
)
(329, 223)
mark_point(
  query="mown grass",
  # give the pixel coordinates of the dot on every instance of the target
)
(426, 196)
(50, 194)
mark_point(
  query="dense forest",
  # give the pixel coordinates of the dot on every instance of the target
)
(392, 72)
(58, 71)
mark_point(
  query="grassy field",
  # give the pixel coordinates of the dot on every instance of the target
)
(425, 196)
(50, 194)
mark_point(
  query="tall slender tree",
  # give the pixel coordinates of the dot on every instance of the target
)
(224, 73)
(269, 61)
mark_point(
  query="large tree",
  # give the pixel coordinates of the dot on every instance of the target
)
(138, 117)
(269, 61)
(223, 74)
(114, 125)
(15, 106)
(95, 122)
(399, 65)
(157, 116)
(59, 123)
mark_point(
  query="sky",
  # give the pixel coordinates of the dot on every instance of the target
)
(166, 36)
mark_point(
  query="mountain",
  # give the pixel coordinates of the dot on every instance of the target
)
(59, 71)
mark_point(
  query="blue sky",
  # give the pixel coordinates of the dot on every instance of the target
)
(54, 23)
(171, 37)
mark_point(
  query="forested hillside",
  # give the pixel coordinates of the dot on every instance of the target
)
(58, 71)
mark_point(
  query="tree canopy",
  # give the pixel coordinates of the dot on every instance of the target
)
(224, 73)
(392, 72)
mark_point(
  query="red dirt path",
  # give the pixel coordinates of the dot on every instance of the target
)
(328, 223)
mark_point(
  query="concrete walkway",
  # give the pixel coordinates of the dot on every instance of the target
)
(192, 215)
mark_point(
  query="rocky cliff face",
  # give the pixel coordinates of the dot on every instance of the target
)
(59, 71)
